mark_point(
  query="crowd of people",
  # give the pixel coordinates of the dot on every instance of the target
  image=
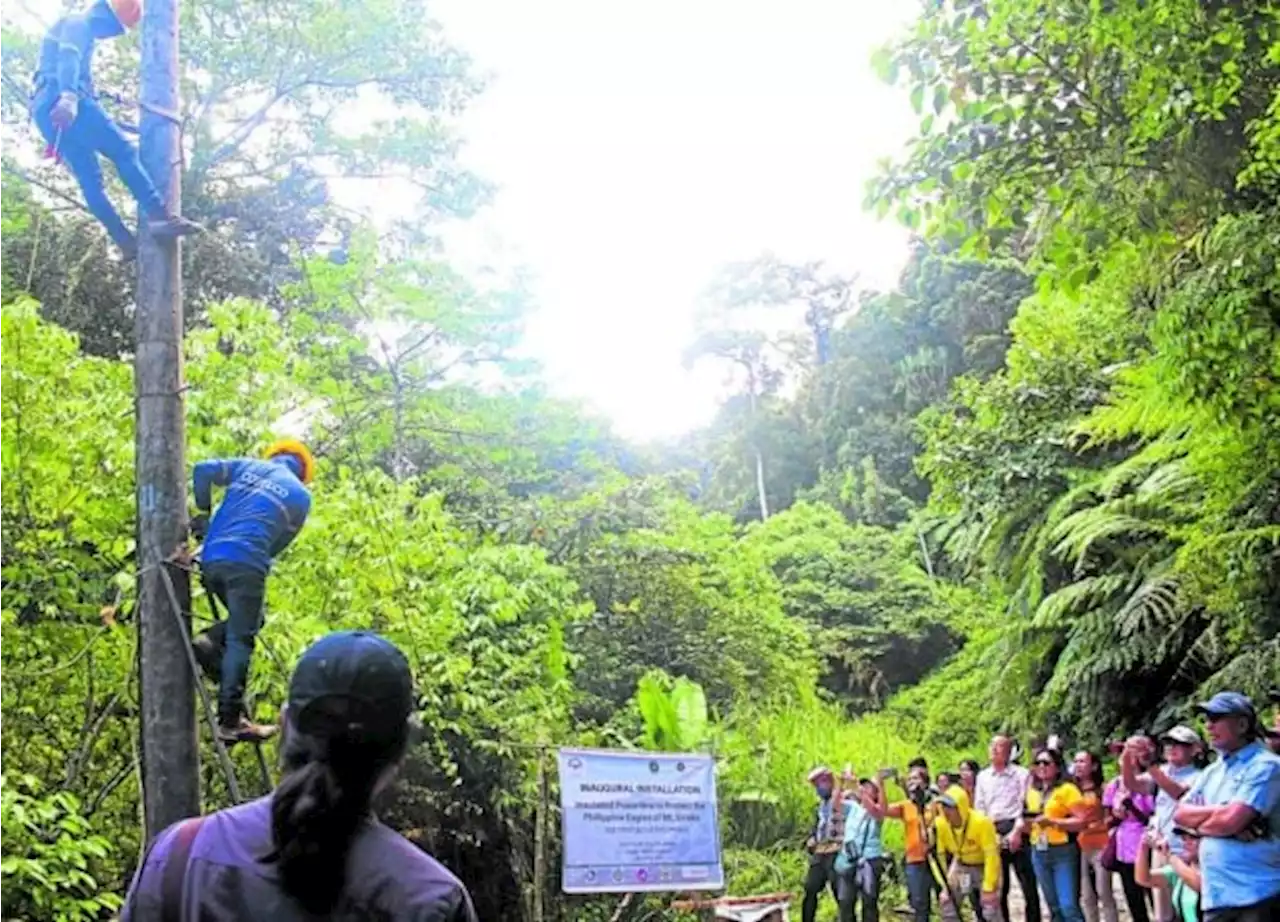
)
(1190, 827)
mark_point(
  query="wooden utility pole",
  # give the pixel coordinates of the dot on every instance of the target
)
(540, 837)
(170, 760)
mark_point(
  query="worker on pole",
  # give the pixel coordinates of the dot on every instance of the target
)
(77, 128)
(264, 507)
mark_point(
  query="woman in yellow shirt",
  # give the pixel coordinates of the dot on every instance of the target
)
(1054, 806)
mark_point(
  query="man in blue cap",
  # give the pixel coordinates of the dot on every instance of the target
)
(1234, 806)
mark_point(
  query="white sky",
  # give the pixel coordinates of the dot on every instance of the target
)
(639, 147)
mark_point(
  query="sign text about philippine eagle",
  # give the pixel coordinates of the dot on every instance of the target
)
(639, 821)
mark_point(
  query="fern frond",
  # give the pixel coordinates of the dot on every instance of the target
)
(1083, 595)
(1150, 609)
(1140, 408)
(1080, 531)
(1170, 482)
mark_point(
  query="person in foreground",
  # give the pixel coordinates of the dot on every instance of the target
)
(312, 847)
(77, 129)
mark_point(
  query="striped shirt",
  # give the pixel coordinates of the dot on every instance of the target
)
(1001, 794)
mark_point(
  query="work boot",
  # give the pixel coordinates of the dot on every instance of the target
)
(243, 730)
(171, 227)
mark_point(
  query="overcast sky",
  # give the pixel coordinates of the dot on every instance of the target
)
(638, 147)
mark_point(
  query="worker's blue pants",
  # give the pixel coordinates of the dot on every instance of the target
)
(93, 133)
(241, 590)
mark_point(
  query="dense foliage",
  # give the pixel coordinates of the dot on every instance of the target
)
(1036, 487)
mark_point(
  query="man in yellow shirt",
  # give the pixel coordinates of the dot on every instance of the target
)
(969, 849)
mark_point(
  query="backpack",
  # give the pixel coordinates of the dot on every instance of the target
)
(174, 873)
(175, 870)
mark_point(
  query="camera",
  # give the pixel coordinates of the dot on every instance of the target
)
(919, 791)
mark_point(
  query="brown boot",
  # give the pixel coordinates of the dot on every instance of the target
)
(244, 730)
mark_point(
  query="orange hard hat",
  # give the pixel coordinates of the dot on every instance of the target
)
(129, 12)
(297, 450)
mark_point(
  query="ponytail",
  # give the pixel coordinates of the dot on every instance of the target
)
(319, 807)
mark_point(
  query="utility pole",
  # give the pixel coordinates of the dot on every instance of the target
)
(170, 757)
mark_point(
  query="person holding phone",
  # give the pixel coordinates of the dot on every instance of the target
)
(860, 862)
(1130, 811)
(1177, 875)
(916, 815)
(824, 842)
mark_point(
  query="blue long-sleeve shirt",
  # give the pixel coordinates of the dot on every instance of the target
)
(264, 508)
(66, 54)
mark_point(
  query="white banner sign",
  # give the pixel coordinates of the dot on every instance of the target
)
(637, 821)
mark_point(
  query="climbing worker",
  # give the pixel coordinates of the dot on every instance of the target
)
(312, 849)
(77, 128)
(265, 506)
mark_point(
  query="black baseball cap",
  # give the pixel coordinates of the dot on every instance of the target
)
(351, 683)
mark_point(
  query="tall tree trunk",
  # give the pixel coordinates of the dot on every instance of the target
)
(764, 500)
(755, 444)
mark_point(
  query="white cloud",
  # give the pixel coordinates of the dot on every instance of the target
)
(638, 148)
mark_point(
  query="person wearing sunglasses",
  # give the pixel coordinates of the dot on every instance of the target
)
(1235, 808)
(1057, 811)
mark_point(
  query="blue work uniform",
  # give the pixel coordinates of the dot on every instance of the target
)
(66, 64)
(264, 508)
(1241, 872)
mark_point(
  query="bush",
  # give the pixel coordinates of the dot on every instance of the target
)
(50, 854)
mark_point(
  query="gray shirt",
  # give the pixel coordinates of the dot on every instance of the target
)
(1162, 819)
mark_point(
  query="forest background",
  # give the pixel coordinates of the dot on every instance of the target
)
(1033, 488)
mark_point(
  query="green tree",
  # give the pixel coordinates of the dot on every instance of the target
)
(275, 109)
